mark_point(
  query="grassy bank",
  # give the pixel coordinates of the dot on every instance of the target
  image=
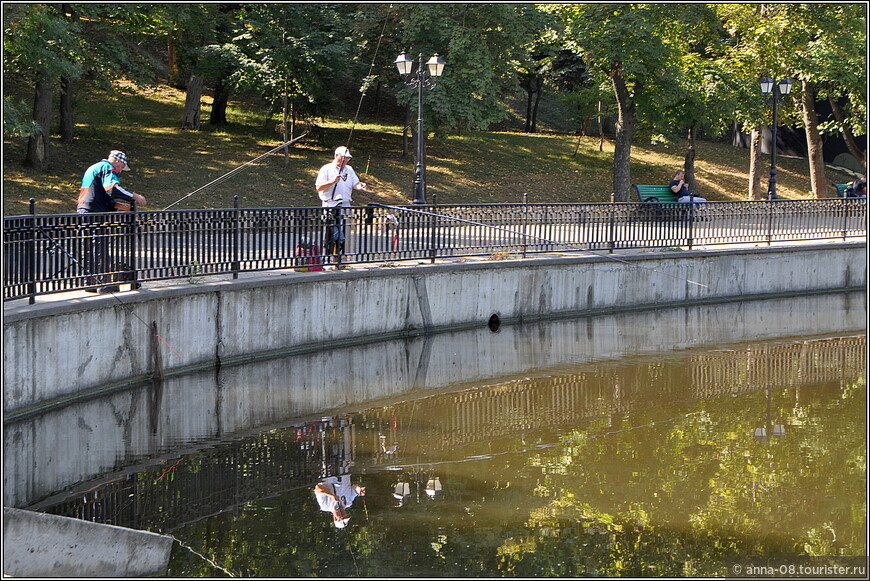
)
(477, 167)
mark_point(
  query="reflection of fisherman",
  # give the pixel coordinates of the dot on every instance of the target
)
(335, 184)
(335, 494)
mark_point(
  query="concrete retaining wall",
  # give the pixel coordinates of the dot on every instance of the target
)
(129, 429)
(58, 351)
(45, 545)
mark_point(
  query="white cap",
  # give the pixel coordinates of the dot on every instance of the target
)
(340, 524)
(343, 151)
(120, 156)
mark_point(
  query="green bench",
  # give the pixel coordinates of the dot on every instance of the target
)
(660, 194)
(662, 201)
(841, 190)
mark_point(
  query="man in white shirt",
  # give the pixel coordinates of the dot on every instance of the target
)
(335, 184)
(335, 494)
(337, 180)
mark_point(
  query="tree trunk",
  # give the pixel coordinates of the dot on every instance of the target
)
(176, 76)
(848, 138)
(624, 131)
(405, 132)
(529, 109)
(689, 164)
(37, 143)
(538, 92)
(600, 127)
(66, 109)
(219, 104)
(756, 171)
(815, 153)
(66, 88)
(192, 103)
(285, 132)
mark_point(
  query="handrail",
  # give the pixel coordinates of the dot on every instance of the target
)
(55, 253)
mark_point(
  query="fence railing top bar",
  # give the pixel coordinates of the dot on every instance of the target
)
(150, 212)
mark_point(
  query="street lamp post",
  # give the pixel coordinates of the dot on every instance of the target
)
(775, 91)
(435, 67)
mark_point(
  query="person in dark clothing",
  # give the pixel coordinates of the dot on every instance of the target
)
(100, 192)
(679, 187)
(101, 189)
(858, 188)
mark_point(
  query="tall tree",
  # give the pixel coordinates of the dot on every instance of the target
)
(822, 46)
(40, 47)
(699, 91)
(293, 50)
(482, 44)
(753, 50)
(827, 48)
(186, 28)
(624, 43)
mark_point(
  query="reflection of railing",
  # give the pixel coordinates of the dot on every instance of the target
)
(482, 414)
(166, 496)
(175, 492)
(47, 254)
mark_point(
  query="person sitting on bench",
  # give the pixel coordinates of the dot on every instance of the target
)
(679, 187)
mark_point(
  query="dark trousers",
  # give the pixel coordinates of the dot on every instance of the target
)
(334, 235)
(94, 258)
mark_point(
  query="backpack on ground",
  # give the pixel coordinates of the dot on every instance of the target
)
(307, 257)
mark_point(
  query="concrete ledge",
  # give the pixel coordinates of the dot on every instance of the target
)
(44, 545)
(68, 349)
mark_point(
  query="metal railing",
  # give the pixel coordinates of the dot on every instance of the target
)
(45, 254)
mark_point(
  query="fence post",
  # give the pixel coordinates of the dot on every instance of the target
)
(769, 210)
(433, 225)
(845, 215)
(525, 222)
(691, 220)
(134, 247)
(31, 255)
(236, 228)
(611, 244)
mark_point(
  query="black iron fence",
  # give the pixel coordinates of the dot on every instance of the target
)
(45, 254)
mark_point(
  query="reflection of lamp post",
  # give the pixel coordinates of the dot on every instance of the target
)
(402, 489)
(401, 492)
(768, 88)
(433, 487)
(761, 432)
(435, 65)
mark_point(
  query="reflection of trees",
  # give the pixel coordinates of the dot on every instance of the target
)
(641, 468)
(683, 496)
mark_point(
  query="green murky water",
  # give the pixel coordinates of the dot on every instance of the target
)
(659, 464)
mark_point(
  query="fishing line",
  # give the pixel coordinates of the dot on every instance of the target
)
(233, 172)
(99, 278)
(368, 77)
(203, 557)
(350, 550)
(568, 244)
(362, 96)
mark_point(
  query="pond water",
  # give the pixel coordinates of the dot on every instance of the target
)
(595, 453)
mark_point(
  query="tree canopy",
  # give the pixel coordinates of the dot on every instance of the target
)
(669, 70)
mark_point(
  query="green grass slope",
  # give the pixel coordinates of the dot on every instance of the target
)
(475, 167)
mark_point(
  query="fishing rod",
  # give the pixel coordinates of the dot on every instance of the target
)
(570, 245)
(368, 77)
(99, 279)
(236, 170)
(365, 85)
